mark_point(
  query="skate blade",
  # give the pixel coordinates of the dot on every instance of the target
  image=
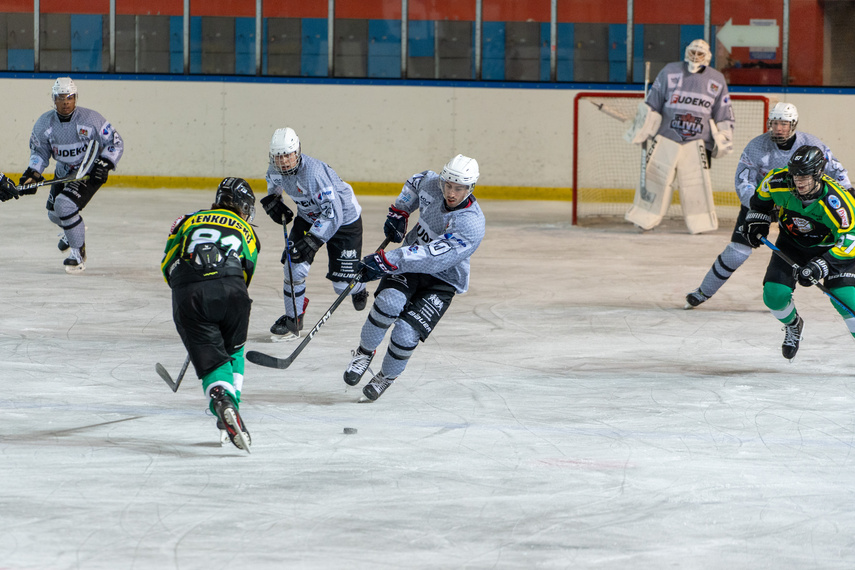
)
(688, 306)
(224, 437)
(75, 269)
(240, 440)
(287, 337)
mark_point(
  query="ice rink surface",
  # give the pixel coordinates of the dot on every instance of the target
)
(566, 413)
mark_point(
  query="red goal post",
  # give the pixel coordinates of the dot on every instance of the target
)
(606, 168)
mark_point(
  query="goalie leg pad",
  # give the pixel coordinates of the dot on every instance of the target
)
(653, 197)
(693, 180)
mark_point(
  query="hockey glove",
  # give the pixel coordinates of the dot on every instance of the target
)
(278, 212)
(305, 249)
(99, 171)
(7, 189)
(812, 272)
(395, 227)
(29, 177)
(756, 225)
(375, 266)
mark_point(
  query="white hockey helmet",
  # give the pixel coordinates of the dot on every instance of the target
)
(64, 90)
(461, 170)
(787, 113)
(697, 55)
(284, 142)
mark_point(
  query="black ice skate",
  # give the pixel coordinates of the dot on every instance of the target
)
(792, 337)
(229, 418)
(695, 298)
(75, 262)
(357, 367)
(377, 386)
(288, 328)
(360, 300)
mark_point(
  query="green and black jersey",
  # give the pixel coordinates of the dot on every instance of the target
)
(826, 223)
(232, 235)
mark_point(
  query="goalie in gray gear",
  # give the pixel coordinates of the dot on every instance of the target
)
(327, 214)
(64, 135)
(687, 120)
(419, 279)
(763, 153)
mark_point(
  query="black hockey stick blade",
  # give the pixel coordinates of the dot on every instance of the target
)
(174, 384)
(273, 362)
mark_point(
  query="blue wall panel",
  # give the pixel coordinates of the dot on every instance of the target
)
(86, 43)
(384, 48)
(176, 44)
(493, 51)
(420, 38)
(313, 58)
(245, 46)
(20, 60)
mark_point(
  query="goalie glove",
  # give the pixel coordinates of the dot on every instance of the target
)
(812, 272)
(645, 126)
(756, 226)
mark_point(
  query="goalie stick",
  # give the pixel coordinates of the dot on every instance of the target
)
(89, 158)
(174, 384)
(796, 268)
(262, 359)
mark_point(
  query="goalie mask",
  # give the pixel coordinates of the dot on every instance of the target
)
(697, 55)
(806, 167)
(458, 177)
(64, 96)
(785, 117)
(236, 193)
(285, 153)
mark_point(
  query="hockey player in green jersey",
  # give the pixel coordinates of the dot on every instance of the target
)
(816, 218)
(209, 261)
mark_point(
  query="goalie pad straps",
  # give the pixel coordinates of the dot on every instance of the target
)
(652, 200)
(645, 126)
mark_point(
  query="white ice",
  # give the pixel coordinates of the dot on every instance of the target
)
(567, 412)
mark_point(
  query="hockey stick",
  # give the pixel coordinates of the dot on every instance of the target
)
(643, 175)
(273, 362)
(813, 281)
(296, 328)
(89, 158)
(174, 384)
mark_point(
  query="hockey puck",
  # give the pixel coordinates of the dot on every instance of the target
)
(349, 431)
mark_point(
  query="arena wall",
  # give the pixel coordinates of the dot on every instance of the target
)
(186, 132)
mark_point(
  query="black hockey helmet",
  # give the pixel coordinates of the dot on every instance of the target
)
(807, 161)
(236, 193)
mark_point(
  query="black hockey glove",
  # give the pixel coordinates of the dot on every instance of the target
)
(813, 271)
(304, 249)
(375, 266)
(29, 177)
(395, 227)
(278, 212)
(756, 225)
(99, 171)
(7, 189)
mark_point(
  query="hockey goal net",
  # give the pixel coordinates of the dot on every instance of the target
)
(606, 168)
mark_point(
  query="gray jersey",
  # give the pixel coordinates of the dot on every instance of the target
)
(442, 241)
(322, 198)
(687, 101)
(65, 141)
(762, 155)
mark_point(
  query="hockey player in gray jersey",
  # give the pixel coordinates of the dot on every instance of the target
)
(763, 153)
(687, 120)
(64, 135)
(327, 213)
(420, 278)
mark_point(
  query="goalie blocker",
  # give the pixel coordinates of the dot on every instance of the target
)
(688, 164)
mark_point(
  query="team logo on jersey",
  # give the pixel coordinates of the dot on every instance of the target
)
(680, 99)
(687, 125)
(801, 225)
(675, 80)
(713, 87)
(844, 218)
(83, 131)
(348, 254)
(106, 130)
(834, 201)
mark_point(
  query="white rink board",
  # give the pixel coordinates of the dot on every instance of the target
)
(566, 413)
